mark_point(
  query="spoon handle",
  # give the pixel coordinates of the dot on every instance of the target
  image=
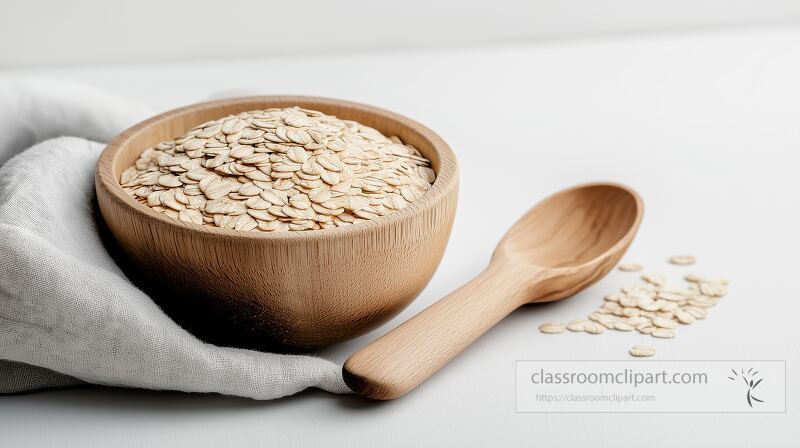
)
(397, 362)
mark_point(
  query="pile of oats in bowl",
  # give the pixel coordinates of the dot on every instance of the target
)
(279, 169)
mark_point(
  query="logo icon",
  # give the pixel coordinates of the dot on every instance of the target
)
(751, 380)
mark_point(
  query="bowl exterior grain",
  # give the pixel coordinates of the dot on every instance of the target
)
(290, 289)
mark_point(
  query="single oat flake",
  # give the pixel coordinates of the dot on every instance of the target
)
(630, 267)
(552, 327)
(642, 351)
(682, 260)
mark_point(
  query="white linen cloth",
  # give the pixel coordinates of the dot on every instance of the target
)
(68, 314)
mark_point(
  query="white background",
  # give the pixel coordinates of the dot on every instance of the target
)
(704, 124)
(57, 32)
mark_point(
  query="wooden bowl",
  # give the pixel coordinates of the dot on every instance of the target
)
(286, 289)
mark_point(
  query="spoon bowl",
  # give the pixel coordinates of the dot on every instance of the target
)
(562, 245)
(588, 224)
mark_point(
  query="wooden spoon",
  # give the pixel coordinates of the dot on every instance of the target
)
(562, 245)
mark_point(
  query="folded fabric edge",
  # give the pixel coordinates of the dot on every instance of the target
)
(18, 377)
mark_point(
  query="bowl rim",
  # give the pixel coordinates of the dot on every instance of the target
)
(444, 184)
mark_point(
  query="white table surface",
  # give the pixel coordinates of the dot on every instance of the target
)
(704, 125)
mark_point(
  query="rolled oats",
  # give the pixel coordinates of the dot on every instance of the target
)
(654, 307)
(278, 170)
(682, 260)
(642, 351)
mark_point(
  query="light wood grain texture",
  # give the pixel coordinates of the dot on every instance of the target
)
(562, 245)
(284, 289)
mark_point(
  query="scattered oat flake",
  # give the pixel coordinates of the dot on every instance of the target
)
(655, 279)
(577, 325)
(594, 328)
(665, 333)
(682, 260)
(652, 307)
(642, 351)
(552, 327)
(630, 267)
